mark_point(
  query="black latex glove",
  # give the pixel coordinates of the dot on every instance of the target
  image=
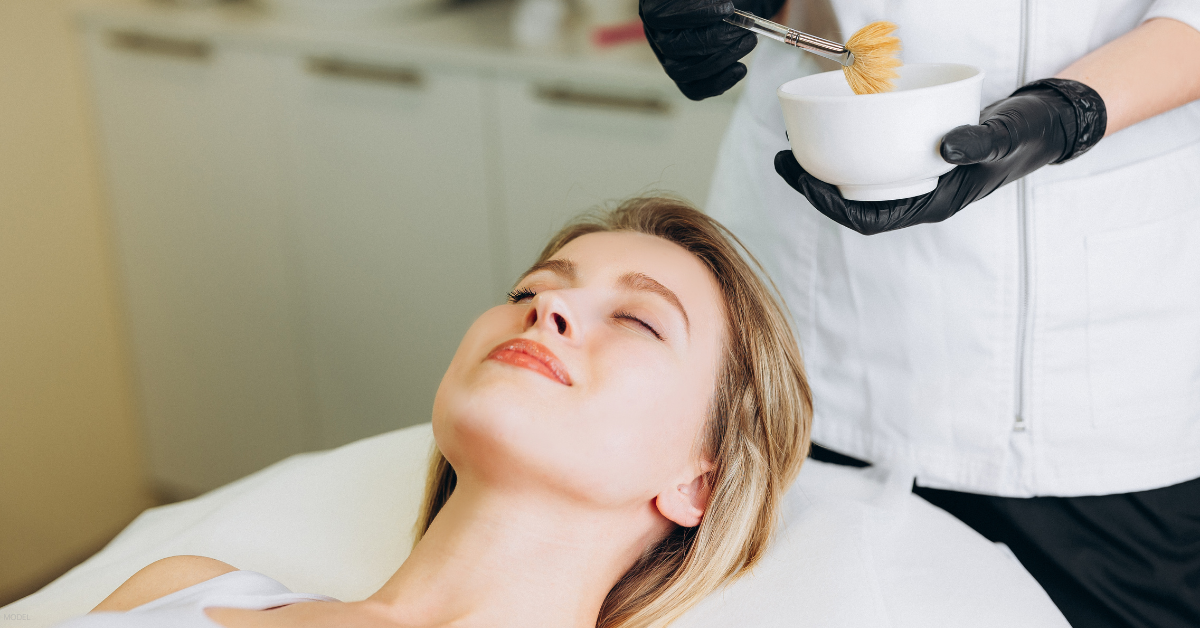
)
(1045, 122)
(698, 50)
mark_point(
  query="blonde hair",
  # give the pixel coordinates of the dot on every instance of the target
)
(756, 435)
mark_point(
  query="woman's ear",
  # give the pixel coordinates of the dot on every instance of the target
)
(686, 502)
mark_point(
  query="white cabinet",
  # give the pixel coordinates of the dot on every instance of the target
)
(567, 147)
(307, 225)
(388, 191)
(193, 181)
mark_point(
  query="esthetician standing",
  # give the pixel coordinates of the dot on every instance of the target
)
(1035, 357)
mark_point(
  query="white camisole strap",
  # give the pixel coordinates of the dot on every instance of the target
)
(185, 607)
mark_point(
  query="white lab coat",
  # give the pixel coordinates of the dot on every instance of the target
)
(1043, 341)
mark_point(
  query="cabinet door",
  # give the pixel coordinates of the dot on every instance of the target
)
(189, 146)
(392, 231)
(566, 148)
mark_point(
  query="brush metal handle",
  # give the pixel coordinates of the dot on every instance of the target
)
(792, 37)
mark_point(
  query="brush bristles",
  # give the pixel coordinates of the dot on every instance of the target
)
(875, 60)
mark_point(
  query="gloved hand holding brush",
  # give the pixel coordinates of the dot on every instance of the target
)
(697, 49)
(1045, 122)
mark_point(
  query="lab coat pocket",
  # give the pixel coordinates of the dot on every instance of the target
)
(1143, 332)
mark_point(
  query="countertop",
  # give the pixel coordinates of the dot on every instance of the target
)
(473, 35)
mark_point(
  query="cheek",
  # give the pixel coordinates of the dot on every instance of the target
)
(463, 393)
(489, 324)
(640, 428)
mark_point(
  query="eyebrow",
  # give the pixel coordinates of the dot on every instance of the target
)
(644, 283)
(564, 268)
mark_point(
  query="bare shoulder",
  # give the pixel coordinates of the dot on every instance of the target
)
(162, 578)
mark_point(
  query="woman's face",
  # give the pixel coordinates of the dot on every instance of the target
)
(594, 381)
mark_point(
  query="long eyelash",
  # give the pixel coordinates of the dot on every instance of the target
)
(628, 316)
(520, 293)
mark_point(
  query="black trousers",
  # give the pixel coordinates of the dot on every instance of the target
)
(1128, 560)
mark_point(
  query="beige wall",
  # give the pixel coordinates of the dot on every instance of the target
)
(70, 457)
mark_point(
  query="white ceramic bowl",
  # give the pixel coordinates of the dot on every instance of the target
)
(879, 147)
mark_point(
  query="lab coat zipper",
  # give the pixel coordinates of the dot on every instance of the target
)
(1019, 422)
(1019, 419)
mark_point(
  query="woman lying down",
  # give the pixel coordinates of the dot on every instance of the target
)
(612, 445)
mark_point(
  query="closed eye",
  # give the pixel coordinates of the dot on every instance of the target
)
(630, 317)
(520, 294)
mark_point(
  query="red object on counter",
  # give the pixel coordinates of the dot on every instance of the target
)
(615, 34)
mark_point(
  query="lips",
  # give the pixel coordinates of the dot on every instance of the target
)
(527, 354)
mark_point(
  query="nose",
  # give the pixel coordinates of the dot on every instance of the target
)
(551, 312)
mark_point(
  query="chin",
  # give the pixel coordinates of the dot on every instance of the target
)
(491, 425)
(497, 437)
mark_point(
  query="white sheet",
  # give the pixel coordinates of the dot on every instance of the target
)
(855, 549)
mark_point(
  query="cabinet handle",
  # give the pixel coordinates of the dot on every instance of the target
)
(570, 97)
(158, 45)
(337, 68)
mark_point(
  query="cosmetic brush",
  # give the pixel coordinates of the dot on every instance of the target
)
(868, 59)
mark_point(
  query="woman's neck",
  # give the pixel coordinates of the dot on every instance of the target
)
(492, 559)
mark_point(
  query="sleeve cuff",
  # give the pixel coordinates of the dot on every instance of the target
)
(1087, 127)
(1186, 11)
